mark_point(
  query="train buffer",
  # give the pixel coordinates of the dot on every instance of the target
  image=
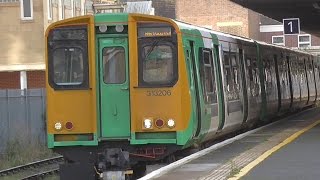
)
(284, 149)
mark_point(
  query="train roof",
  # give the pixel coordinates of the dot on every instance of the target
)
(282, 47)
(184, 25)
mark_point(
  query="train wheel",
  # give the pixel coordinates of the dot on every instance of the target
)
(139, 170)
(170, 159)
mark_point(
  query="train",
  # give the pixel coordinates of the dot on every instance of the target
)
(125, 89)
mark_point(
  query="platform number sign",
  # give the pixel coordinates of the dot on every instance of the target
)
(291, 26)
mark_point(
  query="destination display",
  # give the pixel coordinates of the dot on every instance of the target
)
(67, 33)
(154, 32)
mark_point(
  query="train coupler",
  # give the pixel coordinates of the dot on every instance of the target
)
(115, 175)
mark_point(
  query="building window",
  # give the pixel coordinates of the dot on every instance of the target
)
(49, 9)
(278, 40)
(61, 6)
(67, 3)
(26, 9)
(73, 7)
(62, 9)
(8, 1)
(304, 40)
(78, 4)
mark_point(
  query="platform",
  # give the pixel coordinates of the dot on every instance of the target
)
(286, 149)
(296, 160)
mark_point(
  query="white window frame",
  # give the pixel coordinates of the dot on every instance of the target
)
(50, 13)
(307, 42)
(9, 1)
(61, 9)
(281, 44)
(73, 8)
(22, 10)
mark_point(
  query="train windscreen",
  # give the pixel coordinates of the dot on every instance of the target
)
(158, 62)
(68, 57)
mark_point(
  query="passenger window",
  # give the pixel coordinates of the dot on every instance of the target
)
(208, 78)
(232, 75)
(255, 89)
(235, 74)
(268, 76)
(227, 71)
(249, 70)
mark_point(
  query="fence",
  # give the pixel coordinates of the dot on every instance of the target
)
(22, 115)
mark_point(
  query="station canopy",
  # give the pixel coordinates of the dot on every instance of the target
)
(307, 10)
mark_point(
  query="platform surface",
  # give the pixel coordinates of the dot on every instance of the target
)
(300, 159)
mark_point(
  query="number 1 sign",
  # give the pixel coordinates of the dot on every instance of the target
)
(291, 26)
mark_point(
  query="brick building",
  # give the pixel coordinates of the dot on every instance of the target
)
(22, 28)
(220, 15)
(272, 32)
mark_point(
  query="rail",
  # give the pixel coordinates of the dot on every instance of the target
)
(16, 169)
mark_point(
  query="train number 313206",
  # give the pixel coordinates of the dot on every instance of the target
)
(159, 93)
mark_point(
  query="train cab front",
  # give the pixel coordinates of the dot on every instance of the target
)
(159, 94)
(117, 93)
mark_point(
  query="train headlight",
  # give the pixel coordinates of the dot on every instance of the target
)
(103, 28)
(171, 123)
(58, 126)
(147, 123)
(119, 28)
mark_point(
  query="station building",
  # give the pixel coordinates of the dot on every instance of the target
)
(271, 31)
(23, 24)
(22, 27)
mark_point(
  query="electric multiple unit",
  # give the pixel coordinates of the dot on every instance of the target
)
(124, 90)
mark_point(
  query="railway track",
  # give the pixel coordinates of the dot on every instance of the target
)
(36, 164)
(42, 174)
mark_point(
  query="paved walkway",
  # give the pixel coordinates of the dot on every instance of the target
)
(229, 160)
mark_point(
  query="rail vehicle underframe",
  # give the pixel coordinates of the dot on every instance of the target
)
(111, 159)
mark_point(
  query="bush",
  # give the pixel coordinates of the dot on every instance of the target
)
(19, 152)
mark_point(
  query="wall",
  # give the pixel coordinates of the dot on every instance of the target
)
(254, 25)
(290, 40)
(36, 79)
(165, 8)
(221, 15)
(23, 112)
(21, 41)
(9, 80)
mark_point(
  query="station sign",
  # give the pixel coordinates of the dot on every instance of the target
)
(291, 26)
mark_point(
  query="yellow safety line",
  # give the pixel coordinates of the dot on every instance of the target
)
(254, 163)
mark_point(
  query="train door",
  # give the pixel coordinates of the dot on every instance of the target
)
(209, 90)
(252, 85)
(233, 86)
(114, 88)
(244, 96)
(195, 86)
